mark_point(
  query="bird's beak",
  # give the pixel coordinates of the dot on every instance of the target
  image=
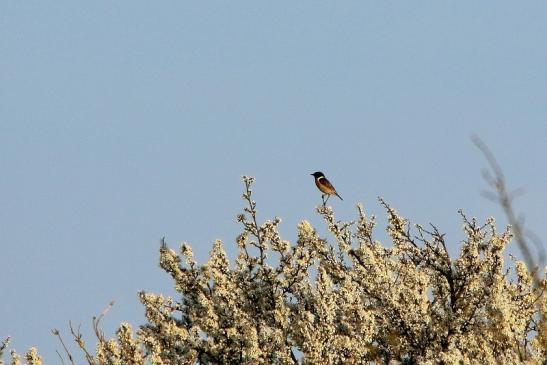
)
(311, 174)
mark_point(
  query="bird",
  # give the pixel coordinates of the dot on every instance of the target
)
(325, 186)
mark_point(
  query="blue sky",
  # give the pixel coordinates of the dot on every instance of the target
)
(122, 122)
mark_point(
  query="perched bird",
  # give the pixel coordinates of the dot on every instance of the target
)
(325, 186)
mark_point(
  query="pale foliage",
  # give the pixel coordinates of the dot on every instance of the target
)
(353, 301)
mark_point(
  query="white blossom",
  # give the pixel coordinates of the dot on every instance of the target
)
(353, 300)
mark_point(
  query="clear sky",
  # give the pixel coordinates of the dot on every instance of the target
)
(122, 122)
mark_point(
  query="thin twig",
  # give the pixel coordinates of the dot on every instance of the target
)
(252, 211)
(3, 345)
(496, 179)
(60, 357)
(58, 335)
(78, 338)
(97, 320)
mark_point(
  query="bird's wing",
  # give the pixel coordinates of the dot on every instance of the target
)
(327, 184)
(330, 188)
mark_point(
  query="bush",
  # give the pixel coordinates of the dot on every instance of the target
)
(351, 302)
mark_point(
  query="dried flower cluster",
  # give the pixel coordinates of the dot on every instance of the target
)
(355, 301)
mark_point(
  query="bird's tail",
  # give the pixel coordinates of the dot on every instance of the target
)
(338, 195)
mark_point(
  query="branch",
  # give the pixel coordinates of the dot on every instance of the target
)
(496, 179)
(252, 211)
(70, 358)
(3, 346)
(97, 320)
(78, 338)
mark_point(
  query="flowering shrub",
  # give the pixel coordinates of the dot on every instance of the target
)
(353, 301)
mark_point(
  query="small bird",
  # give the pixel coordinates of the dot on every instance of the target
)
(325, 186)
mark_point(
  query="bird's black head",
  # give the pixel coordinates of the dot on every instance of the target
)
(317, 174)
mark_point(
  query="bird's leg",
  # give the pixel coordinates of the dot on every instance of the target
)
(323, 199)
(325, 202)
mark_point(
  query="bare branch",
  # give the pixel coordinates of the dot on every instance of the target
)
(97, 320)
(67, 352)
(78, 338)
(496, 179)
(60, 357)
